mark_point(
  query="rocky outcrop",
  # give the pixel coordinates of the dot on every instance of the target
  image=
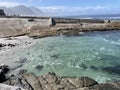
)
(51, 81)
(2, 12)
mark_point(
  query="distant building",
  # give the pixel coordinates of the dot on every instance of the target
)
(2, 12)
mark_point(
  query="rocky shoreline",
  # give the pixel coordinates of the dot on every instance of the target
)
(50, 81)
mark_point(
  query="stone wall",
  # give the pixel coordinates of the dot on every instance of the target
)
(68, 20)
(18, 26)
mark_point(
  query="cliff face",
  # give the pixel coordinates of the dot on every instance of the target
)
(2, 12)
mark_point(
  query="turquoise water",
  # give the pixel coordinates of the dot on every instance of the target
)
(93, 54)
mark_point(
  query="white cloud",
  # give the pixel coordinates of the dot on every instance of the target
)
(64, 8)
(74, 10)
(9, 4)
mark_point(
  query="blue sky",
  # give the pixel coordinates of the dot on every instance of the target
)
(68, 7)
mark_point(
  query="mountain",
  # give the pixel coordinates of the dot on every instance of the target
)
(37, 11)
(23, 11)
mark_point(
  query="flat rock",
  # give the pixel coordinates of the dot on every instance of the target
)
(33, 81)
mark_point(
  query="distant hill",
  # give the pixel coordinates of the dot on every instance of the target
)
(23, 11)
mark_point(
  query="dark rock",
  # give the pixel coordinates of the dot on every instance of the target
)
(83, 66)
(112, 69)
(2, 12)
(89, 82)
(19, 81)
(55, 56)
(3, 71)
(2, 78)
(2, 45)
(94, 68)
(11, 45)
(22, 71)
(31, 19)
(39, 67)
(16, 67)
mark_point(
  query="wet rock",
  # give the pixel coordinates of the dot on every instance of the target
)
(23, 60)
(94, 68)
(16, 67)
(3, 71)
(55, 56)
(11, 45)
(39, 67)
(22, 71)
(2, 78)
(2, 45)
(83, 66)
(18, 81)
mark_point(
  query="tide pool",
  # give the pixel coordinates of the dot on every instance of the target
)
(93, 54)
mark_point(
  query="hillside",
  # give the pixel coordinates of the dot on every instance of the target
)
(22, 11)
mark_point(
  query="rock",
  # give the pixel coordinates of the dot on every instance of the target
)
(2, 12)
(16, 67)
(88, 81)
(82, 82)
(22, 71)
(84, 88)
(112, 69)
(66, 85)
(94, 68)
(2, 45)
(19, 81)
(51, 77)
(55, 56)
(83, 66)
(104, 87)
(2, 78)
(8, 87)
(33, 81)
(3, 71)
(11, 45)
(51, 81)
(39, 67)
